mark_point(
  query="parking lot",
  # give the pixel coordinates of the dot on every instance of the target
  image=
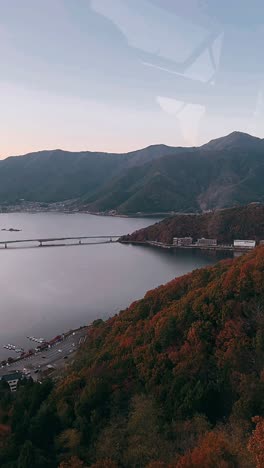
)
(54, 356)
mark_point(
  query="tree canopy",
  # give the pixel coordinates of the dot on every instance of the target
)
(175, 380)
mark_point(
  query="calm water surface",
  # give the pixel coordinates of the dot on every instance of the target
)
(45, 291)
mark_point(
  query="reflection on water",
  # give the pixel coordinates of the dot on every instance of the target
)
(45, 291)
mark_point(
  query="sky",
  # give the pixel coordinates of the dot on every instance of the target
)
(117, 75)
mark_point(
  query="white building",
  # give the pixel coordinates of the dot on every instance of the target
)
(12, 379)
(245, 244)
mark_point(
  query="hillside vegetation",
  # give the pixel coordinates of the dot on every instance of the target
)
(246, 222)
(57, 175)
(225, 172)
(175, 380)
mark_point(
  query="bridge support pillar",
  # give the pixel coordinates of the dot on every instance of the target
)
(5, 246)
(40, 243)
(80, 242)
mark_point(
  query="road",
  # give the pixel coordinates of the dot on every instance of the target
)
(54, 356)
(53, 241)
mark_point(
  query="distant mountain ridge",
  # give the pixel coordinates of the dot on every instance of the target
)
(58, 175)
(224, 172)
(233, 140)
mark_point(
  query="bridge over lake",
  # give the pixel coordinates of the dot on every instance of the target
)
(58, 241)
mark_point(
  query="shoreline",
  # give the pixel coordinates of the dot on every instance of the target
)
(67, 207)
(48, 360)
(74, 212)
(160, 245)
(41, 347)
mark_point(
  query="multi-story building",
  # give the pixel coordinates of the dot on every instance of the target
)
(182, 241)
(203, 242)
(245, 244)
(12, 379)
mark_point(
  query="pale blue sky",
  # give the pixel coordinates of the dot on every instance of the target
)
(116, 75)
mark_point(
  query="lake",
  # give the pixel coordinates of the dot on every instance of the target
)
(46, 291)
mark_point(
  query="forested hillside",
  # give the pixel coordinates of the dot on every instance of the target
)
(246, 222)
(57, 175)
(175, 380)
(225, 172)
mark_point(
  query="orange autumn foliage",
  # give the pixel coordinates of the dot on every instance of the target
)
(73, 462)
(213, 451)
(104, 464)
(256, 442)
(173, 381)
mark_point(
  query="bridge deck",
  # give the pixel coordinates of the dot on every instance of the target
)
(53, 239)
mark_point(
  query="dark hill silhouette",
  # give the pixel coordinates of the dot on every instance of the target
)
(246, 222)
(225, 172)
(234, 140)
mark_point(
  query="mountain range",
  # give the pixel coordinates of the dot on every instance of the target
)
(224, 172)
